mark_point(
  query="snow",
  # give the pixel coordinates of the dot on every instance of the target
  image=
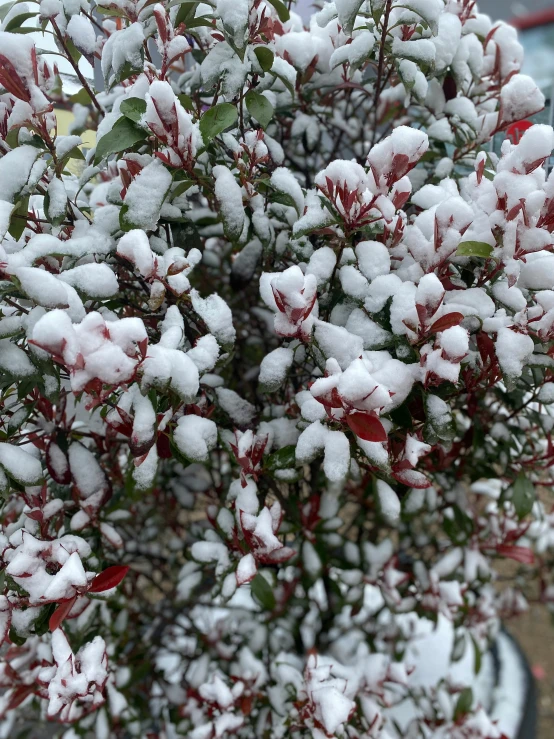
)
(16, 166)
(353, 282)
(196, 437)
(121, 47)
(513, 351)
(216, 314)
(14, 361)
(373, 259)
(274, 368)
(321, 264)
(389, 504)
(20, 465)
(240, 410)
(146, 194)
(81, 32)
(87, 473)
(284, 181)
(229, 196)
(417, 50)
(70, 577)
(520, 98)
(234, 16)
(337, 342)
(92, 280)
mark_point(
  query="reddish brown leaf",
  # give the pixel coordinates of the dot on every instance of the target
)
(18, 696)
(60, 614)
(108, 579)
(520, 554)
(447, 321)
(412, 478)
(366, 426)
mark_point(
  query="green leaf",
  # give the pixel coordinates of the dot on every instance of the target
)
(133, 108)
(262, 591)
(123, 135)
(82, 97)
(23, 30)
(284, 80)
(54, 220)
(5, 9)
(180, 188)
(75, 153)
(17, 21)
(18, 224)
(464, 703)
(474, 249)
(259, 107)
(440, 424)
(282, 10)
(217, 119)
(265, 57)
(283, 459)
(186, 13)
(110, 11)
(186, 102)
(16, 639)
(523, 495)
(200, 23)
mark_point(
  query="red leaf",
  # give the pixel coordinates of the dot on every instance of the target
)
(18, 696)
(61, 613)
(411, 478)
(366, 426)
(108, 579)
(447, 321)
(516, 130)
(520, 554)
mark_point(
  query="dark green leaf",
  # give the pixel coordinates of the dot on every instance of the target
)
(265, 57)
(474, 249)
(18, 220)
(75, 153)
(186, 13)
(186, 102)
(133, 108)
(282, 10)
(263, 593)
(123, 135)
(440, 424)
(16, 639)
(217, 119)
(464, 703)
(54, 220)
(24, 30)
(282, 459)
(200, 22)
(259, 107)
(181, 188)
(523, 495)
(18, 21)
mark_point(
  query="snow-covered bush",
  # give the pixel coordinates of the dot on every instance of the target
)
(277, 364)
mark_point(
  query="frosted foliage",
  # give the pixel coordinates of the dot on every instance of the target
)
(266, 347)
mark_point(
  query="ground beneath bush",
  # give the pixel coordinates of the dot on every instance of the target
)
(535, 633)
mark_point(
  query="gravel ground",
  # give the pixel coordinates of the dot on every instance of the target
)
(535, 633)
